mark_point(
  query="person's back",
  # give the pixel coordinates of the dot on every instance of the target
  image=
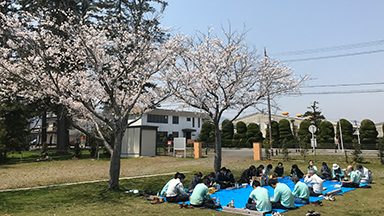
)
(355, 177)
(316, 182)
(175, 188)
(200, 191)
(366, 175)
(283, 195)
(261, 196)
(301, 190)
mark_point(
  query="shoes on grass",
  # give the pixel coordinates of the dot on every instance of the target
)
(313, 213)
(156, 200)
(330, 198)
(316, 203)
(185, 205)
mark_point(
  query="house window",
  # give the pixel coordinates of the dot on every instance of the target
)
(198, 122)
(157, 118)
(193, 122)
(175, 119)
(188, 119)
(175, 134)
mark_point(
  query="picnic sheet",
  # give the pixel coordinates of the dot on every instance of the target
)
(241, 195)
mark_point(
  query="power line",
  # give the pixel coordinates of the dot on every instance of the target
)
(334, 56)
(338, 92)
(333, 48)
(346, 84)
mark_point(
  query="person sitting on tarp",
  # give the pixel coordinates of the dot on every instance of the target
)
(325, 172)
(230, 177)
(301, 191)
(365, 174)
(337, 173)
(265, 173)
(223, 179)
(279, 170)
(295, 171)
(283, 198)
(315, 183)
(165, 188)
(195, 180)
(259, 170)
(211, 178)
(175, 191)
(200, 196)
(247, 175)
(259, 199)
(311, 166)
(354, 181)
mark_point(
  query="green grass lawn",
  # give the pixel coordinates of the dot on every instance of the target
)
(92, 199)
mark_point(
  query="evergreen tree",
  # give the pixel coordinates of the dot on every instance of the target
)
(305, 138)
(254, 134)
(326, 132)
(368, 132)
(304, 134)
(315, 114)
(285, 131)
(226, 134)
(207, 133)
(14, 126)
(240, 137)
(275, 134)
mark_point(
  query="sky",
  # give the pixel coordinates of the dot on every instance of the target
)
(338, 42)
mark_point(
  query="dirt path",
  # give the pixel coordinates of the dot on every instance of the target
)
(59, 172)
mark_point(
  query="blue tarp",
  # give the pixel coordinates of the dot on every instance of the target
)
(241, 195)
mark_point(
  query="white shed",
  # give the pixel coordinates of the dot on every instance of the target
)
(139, 141)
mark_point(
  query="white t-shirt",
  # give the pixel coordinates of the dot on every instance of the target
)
(316, 182)
(175, 188)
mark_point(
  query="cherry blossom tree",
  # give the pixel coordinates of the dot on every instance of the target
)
(111, 74)
(214, 76)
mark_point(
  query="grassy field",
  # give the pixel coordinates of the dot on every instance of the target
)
(92, 199)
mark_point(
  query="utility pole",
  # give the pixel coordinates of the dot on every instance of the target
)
(341, 141)
(269, 110)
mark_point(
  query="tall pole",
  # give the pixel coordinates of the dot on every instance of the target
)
(342, 144)
(269, 109)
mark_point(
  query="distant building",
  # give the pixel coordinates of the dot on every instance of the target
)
(379, 128)
(172, 122)
(262, 120)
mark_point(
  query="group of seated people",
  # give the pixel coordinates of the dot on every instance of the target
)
(259, 200)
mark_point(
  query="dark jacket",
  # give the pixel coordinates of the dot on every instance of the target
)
(246, 176)
(195, 180)
(279, 171)
(298, 173)
(326, 171)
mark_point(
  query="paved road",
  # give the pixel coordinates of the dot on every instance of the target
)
(246, 152)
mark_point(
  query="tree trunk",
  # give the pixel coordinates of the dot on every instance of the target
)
(114, 169)
(217, 162)
(43, 127)
(62, 130)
